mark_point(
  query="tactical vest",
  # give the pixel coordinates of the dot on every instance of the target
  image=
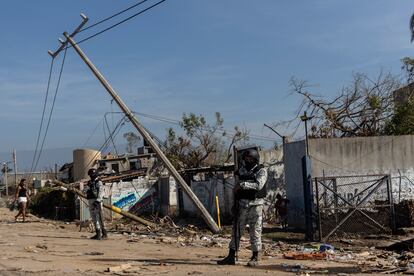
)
(251, 194)
(93, 191)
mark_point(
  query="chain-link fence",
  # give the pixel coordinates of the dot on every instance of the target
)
(353, 205)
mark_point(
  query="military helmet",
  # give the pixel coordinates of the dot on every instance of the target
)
(251, 153)
(92, 172)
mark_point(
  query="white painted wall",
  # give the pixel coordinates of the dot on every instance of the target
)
(393, 155)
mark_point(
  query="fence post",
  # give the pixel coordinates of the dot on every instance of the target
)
(318, 219)
(308, 197)
(391, 201)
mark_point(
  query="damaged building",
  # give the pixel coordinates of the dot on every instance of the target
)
(130, 187)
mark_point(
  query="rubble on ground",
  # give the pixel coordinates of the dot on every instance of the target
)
(377, 254)
(360, 254)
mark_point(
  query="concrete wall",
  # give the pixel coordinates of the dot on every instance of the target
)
(168, 196)
(273, 161)
(386, 154)
(392, 155)
(206, 192)
(141, 195)
(138, 196)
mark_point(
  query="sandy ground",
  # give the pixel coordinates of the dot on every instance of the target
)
(45, 247)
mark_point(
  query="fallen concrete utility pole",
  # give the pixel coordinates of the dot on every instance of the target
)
(206, 216)
(107, 206)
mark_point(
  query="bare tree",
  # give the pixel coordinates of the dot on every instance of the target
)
(132, 141)
(239, 137)
(361, 109)
(412, 27)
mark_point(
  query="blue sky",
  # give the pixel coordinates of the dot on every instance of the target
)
(233, 56)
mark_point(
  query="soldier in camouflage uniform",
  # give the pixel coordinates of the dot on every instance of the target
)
(249, 196)
(94, 194)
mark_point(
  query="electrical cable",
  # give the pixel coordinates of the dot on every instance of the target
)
(43, 113)
(178, 123)
(113, 134)
(120, 22)
(52, 107)
(110, 134)
(114, 15)
(104, 145)
(117, 128)
(93, 132)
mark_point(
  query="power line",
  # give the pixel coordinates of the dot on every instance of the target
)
(43, 113)
(110, 135)
(93, 132)
(178, 123)
(114, 15)
(120, 22)
(161, 143)
(51, 109)
(104, 145)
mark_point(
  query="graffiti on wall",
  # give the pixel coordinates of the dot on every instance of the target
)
(138, 197)
(148, 203)
(126, 201)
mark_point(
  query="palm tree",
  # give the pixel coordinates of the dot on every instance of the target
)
(412, 27)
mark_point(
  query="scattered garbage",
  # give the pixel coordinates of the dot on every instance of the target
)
(305, 255)
(94, 253)
(326, 247)
(361, 255)
(41, 246)
(31, 249)
(119, 268)
(311, 252)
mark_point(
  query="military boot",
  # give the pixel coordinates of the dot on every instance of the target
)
(104, 234)
(254, 261)
(98, 235)
(229, 260)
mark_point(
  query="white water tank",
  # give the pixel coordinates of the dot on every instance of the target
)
(83, 160)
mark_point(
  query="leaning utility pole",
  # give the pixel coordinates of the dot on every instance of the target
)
(6, 168)
(15, 167)
(204, 213)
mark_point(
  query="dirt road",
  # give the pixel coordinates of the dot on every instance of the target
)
(45, 247)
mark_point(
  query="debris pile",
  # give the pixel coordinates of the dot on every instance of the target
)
(169, 232)
(369, 260)
(405, 213)
(358, 255)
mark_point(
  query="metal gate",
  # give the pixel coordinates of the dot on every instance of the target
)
(353, 205)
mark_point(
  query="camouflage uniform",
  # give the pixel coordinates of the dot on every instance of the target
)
(95, 193)
(250, 211)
